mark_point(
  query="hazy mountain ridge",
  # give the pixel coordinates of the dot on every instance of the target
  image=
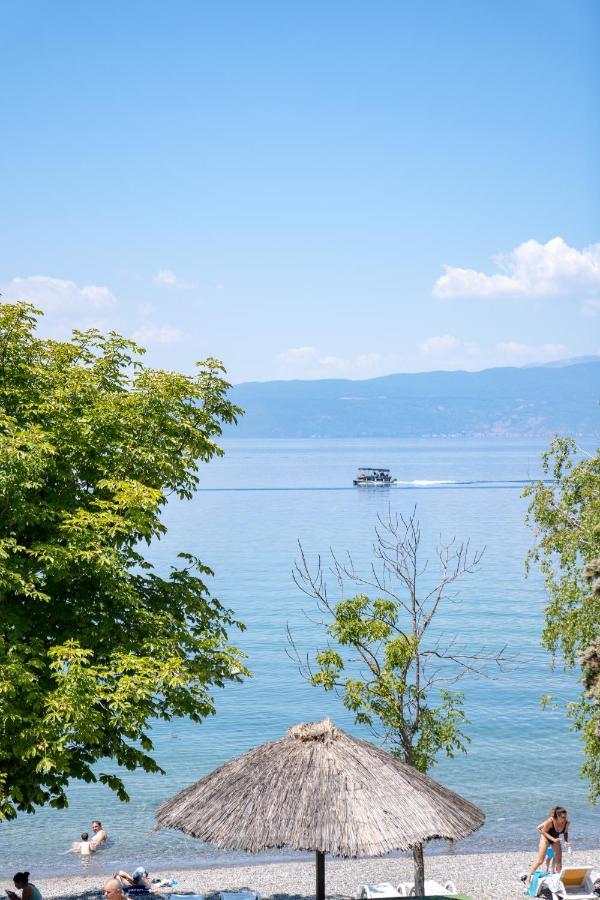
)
(561, 363)
(532, 402)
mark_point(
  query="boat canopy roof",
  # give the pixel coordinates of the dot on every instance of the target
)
(372, 469)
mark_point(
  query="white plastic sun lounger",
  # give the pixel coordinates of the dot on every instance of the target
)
(186, 897)
(578, 882)
(432, 888)
(239, 895)
(379, 891)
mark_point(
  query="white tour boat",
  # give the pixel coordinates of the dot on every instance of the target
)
(369, 477)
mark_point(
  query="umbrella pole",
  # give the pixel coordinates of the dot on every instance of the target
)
(320, 875)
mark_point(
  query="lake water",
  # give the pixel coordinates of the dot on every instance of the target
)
(255, 504)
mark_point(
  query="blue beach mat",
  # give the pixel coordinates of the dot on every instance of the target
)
(531, 890)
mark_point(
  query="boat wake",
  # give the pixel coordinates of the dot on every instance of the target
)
(420, 482)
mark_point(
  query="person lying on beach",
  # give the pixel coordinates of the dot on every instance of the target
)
(28, 891)
(100, 835)
(137, 883)
(550, 831)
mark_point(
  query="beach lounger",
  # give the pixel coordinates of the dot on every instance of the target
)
(432, 889)
(379, 891)
(186, 896)
(239, 895)
(578, 882)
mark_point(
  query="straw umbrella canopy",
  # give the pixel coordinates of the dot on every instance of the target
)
(319, 789)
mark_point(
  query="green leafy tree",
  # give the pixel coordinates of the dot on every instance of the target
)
(94, 644)
(565, 516)
(394, 670)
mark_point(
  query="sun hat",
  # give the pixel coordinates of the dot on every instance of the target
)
(138, 873)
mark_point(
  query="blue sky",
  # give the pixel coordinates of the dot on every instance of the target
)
(310, 189)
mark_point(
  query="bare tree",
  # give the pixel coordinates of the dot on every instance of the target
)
(384, 656)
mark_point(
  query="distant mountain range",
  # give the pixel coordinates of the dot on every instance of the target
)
(561, 363)
(530, 402)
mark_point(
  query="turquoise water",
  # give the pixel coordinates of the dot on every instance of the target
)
(245, 522)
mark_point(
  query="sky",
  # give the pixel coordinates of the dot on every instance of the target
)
(309, 189)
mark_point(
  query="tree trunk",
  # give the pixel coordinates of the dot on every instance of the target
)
(417, 852)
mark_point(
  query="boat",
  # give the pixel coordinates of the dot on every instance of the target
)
(369, 477)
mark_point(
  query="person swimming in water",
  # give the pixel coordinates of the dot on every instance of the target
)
(84, 846)
(551, 830)
(100, 835)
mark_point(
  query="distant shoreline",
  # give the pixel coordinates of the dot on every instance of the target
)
(502, 403)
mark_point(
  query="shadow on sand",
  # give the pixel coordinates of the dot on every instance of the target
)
(98, 894)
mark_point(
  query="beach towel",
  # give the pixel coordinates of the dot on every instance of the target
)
(532, 889)
(551, 886)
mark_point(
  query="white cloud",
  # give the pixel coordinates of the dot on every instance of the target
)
(310, 362)
(298, 356)
(452, 352)
(150, 333)
(66, 305)
(443, 351)
(170, 279)
(518, 353)
(370, 362)
(58, 295)
(335, 364)
(446, 348)
(591, 307)
(531, 270)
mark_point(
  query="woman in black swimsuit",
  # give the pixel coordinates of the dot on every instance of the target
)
(550, 831)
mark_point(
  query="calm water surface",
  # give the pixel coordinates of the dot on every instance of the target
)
(245, 522)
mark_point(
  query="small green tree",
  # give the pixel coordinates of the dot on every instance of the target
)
(94, 644)
(565, 516)
(393, 669)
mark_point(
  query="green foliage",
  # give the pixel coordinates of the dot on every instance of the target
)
(94, 644)
(387, 691)
(565, 516)
(391, 671)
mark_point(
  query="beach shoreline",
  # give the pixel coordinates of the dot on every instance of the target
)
(482, 876)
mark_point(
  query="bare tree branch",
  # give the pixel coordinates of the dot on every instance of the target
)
(386, 640)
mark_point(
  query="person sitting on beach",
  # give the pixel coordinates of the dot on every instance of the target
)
(28, 891)
(137, 883)
(100, 835)
(113, 890)
(550, 831)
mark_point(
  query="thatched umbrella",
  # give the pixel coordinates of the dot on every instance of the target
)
(319, 789)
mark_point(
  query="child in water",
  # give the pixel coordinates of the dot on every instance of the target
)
(84, 846)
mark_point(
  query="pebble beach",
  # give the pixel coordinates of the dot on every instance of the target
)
(489, 876)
